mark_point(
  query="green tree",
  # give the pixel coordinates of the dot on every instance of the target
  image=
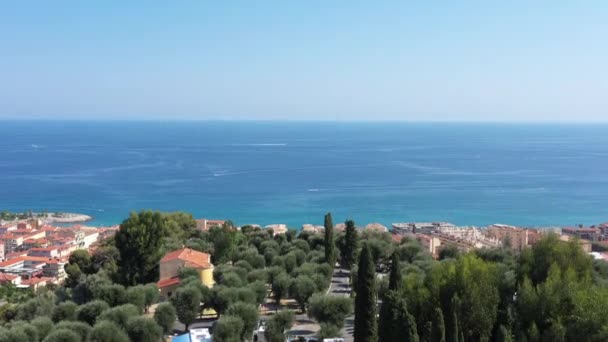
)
(113, 294)
(280, 288)
(150, 295)
(248, 313)
(43, 325)
(80, 328)
(395, 279)
(277, 325)
(22, 327)
(120, 314)
(396, 323)
(136, 295)
(330, 310)
(106, 331)
(89, 312)
(228, 329)
(65, 311)
(330, 246)
(139, 241)
(454, 332)
(365, 300)
(438, 332)
(62, 335)
(143, 329)
(503, 334)
(349, 252)
(165, 316)
(301, 289)
(186, 301)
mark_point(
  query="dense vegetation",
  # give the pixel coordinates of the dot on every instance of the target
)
(551, 292)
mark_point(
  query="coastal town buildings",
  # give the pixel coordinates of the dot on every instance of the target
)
(33, 254)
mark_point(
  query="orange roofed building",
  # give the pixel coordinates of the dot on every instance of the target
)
(172, 262)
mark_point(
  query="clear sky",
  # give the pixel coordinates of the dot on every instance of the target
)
(334, 60)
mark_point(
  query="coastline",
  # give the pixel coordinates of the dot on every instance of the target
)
(49, 218)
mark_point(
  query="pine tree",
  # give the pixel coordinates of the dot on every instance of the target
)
(365, 301)
(330, 246)
(438, 332)
(350, 242)
(394, 280)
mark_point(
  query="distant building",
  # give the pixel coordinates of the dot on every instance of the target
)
(591, 234)
(517, 237)
(430, 243)
(277, 228)
(585, 244)
(172, 262)
(376, 227)
(205, 225)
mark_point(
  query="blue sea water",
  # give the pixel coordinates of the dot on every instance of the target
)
(294, 172)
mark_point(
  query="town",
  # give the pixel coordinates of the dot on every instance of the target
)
(34, 255)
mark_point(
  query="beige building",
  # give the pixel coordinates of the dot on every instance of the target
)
(171, 263)
(517, 237)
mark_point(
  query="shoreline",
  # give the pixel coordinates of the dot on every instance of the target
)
(48, 218)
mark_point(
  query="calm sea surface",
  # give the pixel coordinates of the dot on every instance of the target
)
(279, 172)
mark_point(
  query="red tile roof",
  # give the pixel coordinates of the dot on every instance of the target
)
(167, 282)
(190, 256)
(6, 277)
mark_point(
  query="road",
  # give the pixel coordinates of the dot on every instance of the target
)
(340, 286)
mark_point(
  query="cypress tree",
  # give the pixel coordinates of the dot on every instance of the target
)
(438, 332)
(330, 247)
(386, 329)
(503, 334)
(396, 324)
(394, 280)
(365, 301)
(410, 331)
(454, 333)
(350, 244)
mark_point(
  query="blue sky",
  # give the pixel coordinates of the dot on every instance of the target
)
(319, 60)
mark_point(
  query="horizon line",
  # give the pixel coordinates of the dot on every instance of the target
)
(316, 120)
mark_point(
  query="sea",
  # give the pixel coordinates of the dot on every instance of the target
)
(294, 172)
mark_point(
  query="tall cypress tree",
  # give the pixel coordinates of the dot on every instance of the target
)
(454, 334)
(386, 328)
(365, 301)
(438, 332)
(330, 246)
(350, 245)
(394, 280)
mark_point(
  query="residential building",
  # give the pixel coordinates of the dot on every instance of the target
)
(516, 237)
(591, 234)
(172, 262)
